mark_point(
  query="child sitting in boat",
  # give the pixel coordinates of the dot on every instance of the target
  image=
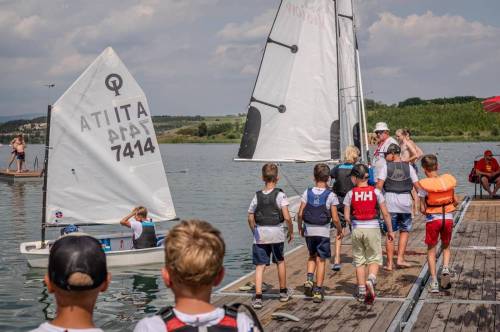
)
(360, 210)
(266, 215)
(318, 207)
(194, 254)
(437, 202)
(144, 234)
(76, 275)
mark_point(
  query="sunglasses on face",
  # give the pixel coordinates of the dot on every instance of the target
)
(379, 132)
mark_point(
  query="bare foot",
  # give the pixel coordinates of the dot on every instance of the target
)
(388, 267)
(403, 265)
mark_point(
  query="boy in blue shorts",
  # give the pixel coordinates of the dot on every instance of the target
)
(397, 179)
(317, 208)
(266, 216)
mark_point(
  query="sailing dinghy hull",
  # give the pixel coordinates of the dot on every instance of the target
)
(116, 248)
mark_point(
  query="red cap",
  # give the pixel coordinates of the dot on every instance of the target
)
(488, 153)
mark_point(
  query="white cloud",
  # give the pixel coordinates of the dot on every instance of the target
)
(257, 28)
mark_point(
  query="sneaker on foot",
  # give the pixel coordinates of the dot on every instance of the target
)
(285, 296)
(434, 286)
(370, 292)
(257, 303)
(445, 278)
(336, 267)
(308, 288)
(318, 296)
(360, 296)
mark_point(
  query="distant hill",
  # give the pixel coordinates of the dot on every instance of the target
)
(28, 116)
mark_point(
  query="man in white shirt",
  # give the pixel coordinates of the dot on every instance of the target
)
(384, 140)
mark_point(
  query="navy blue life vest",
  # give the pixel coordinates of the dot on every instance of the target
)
(316, 212)
(147, 239)
(267, 212)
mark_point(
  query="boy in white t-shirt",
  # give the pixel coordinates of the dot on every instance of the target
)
(144, 234)
(266, 215)
(194, 254)
(397, 179)
(77, 273)
(317, 207)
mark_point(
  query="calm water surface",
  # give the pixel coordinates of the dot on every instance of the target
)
(214, 188)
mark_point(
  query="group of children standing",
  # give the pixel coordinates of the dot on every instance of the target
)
(362, 207)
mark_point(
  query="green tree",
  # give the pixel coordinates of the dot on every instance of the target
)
(202, 129)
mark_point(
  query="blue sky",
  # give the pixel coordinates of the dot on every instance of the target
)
(201, 56)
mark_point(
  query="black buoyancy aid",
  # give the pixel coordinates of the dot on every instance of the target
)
(343, 182)
(267, 212)
(147, 239)
(364, 203)
(315, 211)
(228, 323)
(398, 178)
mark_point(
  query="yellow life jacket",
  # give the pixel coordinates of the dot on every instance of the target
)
(440, 193)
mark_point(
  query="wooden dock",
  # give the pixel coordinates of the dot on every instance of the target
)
(13, 175)
(402, 298)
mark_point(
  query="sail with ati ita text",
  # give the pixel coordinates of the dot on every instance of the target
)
(104, 158)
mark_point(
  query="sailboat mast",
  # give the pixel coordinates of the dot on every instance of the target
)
(45, 171)
(337, 32)
(362, 100)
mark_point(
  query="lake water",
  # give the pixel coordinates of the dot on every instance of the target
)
(215, 189)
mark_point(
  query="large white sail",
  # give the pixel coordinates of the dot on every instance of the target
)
(348, 80)
(293, 113)
(104, 158)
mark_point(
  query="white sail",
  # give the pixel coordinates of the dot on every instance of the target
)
(104, 158)
(293, 114)
(348, 80)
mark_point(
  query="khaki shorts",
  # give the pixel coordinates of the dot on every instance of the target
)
(366, 246)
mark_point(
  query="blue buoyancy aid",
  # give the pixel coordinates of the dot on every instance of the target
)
(316, 212)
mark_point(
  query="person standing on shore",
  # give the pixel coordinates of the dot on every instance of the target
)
(384, 140)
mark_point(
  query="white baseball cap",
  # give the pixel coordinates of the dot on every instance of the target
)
(381, 126)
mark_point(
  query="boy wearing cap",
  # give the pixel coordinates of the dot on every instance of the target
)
(397, 178)
(489, 171)
(194, 254)
(360, 210)
(76, 275)
(384, 140)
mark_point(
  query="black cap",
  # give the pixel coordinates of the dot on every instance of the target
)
(360, 171)
(393, 149)
(77, 254)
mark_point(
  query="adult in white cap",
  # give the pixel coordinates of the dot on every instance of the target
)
(384, 140)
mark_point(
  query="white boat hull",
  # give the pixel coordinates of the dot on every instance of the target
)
(115, 247)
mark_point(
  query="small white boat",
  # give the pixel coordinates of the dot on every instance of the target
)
(101, 160)
(116, 246)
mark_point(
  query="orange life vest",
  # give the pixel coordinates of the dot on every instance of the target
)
(440, 193)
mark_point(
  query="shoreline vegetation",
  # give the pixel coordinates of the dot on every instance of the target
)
(457, 119)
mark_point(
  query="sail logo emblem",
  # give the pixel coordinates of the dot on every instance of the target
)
(59, 214)
(114, 82)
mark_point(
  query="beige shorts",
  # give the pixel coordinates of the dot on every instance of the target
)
(366, 246)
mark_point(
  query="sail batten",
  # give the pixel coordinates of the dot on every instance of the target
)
(104, 156)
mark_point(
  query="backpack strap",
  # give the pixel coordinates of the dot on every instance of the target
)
(235, 306)
(171, 321)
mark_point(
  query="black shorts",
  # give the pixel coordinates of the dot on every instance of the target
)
(20, 156)
(491, 179)
(262, 253)
(318, 246)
